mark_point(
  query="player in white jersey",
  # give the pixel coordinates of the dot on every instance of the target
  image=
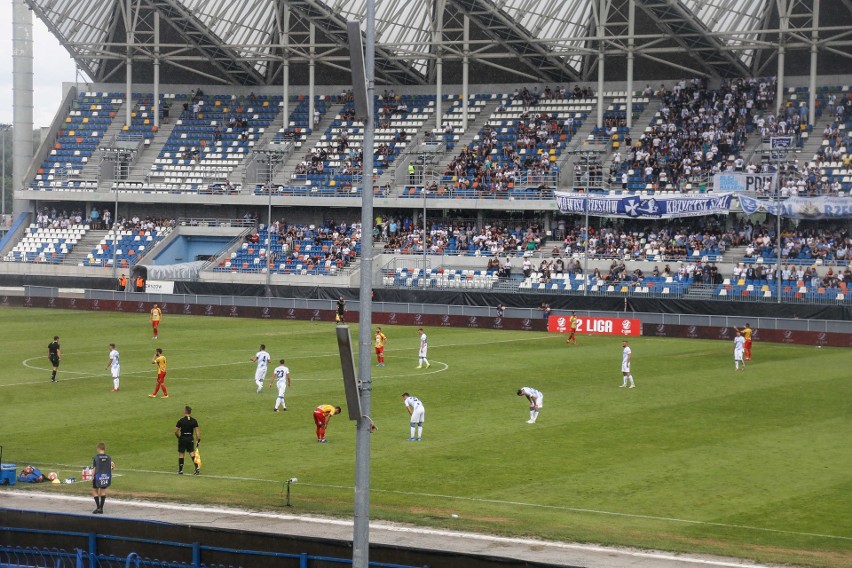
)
(114, 366)
(417, 412)
(281, 375)
(739, 350)
(626, 375)
(424, 349)
(262, 359)
(536, 402)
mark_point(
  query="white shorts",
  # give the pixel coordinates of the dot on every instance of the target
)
(282, 386)
(625, 368)
(423, 353)
(738, 354)
(116, 371)
(260, 375)
(538, 401)
(418, 414)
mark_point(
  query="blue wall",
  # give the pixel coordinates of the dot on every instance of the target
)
(187, 247)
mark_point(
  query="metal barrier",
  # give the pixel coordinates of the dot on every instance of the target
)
(90, 556)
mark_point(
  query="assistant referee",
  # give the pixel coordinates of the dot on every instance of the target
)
(189, 436)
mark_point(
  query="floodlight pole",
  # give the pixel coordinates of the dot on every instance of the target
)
(424, 231)
(115, 234)
(586, 256)
(361, 522)
(269, 237)
(3, 129)
(778, 273)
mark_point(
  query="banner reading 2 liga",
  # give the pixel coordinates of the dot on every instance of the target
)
(596, 326)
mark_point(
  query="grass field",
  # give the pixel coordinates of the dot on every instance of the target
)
(697, 458)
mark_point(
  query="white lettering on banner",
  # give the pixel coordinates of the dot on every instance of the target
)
(596, 325)
(603, 206)
(599, 326)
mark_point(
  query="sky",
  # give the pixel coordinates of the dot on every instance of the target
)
(52, 66)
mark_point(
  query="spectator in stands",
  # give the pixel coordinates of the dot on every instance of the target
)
(545, 310)
(165, 108)
(95, 219)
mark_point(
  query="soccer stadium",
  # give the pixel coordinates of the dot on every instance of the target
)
(554, 189)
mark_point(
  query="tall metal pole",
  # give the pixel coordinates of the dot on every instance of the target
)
(22, 97)
(128, 23)
(437, 40)
(425, 229)
(285, 62)
(312, 63)
(631, 47)
(812, 82)
(586, 256)
(156, 101)
(269, 225)
(601, 30)
(778, 273)
(465, 69)
(783, 26)
(114, 233)
(3, 129)
(361, 525)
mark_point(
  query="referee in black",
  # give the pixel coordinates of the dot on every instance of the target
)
(188, 435)
(54, 354)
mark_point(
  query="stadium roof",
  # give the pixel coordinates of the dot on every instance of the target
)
(240, 43)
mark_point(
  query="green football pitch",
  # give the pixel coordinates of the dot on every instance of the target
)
(698, 458)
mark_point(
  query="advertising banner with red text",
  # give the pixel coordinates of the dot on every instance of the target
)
(596, 325)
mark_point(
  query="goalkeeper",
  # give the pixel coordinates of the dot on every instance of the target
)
(189, 437)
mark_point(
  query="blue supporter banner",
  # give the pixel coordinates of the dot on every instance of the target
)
(800, 207)
(645, 207)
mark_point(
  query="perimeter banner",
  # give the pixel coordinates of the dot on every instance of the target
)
(644, 207)
(596, 326)
(800, 207)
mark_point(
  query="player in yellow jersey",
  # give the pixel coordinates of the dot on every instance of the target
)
(381, 339)
(160, 361)
(322, 415)
(573, 322)
(747, 332)
(156, 316)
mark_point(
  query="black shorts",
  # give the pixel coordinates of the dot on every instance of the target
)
(54, 360)
(186, 445)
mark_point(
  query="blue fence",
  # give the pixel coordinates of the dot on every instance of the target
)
(89, 556)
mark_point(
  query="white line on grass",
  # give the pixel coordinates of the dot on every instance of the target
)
(514, 503)
(395, 528)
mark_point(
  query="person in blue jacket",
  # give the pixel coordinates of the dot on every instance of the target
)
(31, 474)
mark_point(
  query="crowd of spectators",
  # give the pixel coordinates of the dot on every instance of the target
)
(828, 245)
(671, 241)
(478, 167)
(696, 133)
(331, 244)
(51, 218)
(401, 235)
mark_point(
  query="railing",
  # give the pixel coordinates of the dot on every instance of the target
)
(214, 222)
(88, 555)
